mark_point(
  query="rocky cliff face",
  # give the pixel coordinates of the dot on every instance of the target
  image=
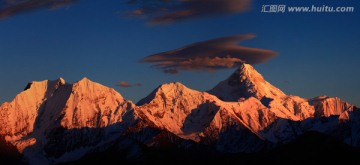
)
(327, 106)
(52, 121)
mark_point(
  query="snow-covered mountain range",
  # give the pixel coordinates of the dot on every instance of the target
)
(52, 122)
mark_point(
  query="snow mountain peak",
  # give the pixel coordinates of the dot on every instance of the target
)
(168, 90)
(244, 83)
(53, 121)
(176, 86)
(50, 114)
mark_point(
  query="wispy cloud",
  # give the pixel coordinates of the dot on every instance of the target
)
(168, 11)
(127, 85)
(219, 53)
(12, 7)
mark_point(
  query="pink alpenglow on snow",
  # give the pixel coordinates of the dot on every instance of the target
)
(53, 121)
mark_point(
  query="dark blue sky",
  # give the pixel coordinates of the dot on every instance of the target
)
(318, 53)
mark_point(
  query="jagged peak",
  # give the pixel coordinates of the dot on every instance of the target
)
(85, 82)
(245, 72)
(327, 106)
(245, 82)
(88, 87)
(51, 83)
(37, 91)
(34, 83)
(172, 86)
(84, 79)
(246, 68)
(174, 89)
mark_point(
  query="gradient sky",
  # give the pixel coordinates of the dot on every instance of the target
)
(318, 53)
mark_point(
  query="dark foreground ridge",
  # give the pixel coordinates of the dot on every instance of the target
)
(311, 147)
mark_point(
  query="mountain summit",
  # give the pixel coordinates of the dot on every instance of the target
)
(57, 119)
(245, 82)
(53, 122)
